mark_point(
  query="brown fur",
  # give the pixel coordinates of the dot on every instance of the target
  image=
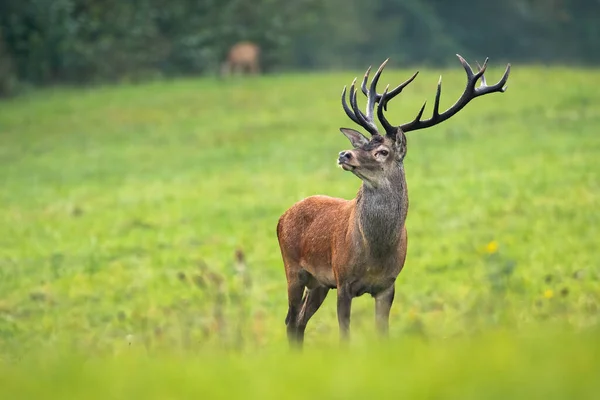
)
(243, 57)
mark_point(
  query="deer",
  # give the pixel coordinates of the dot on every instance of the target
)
(359, 246)
(242, 57)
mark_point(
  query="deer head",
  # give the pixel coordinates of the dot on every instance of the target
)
(374, 160)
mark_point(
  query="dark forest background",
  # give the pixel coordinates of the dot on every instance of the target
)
(86, 41)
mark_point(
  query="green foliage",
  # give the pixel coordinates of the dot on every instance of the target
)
(79, 41)
(122, 209)
(8, 79)
(86, 40)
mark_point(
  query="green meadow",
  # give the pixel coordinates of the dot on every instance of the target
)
(138, 254)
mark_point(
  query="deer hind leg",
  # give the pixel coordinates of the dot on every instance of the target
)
(383, 305)
(312, 301)
(296, 283)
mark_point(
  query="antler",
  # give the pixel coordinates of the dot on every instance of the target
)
(366, 120)
(469, 94)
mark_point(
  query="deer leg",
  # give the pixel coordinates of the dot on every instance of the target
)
(297, 280)
(344, 304)
(295, 291)
(312, 301)
(383, 305)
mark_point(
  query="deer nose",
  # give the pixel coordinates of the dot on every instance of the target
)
(345, 155)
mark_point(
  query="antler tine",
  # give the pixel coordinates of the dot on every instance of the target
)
(498, 87)
(371, 93)
(372, 96)
(363, 85)
(469, 94)
(417, 118)
(364, 121)
(398, 89)
(349, 113)
(389, 128)
(481, 69)
(482, 76)
(438, 94)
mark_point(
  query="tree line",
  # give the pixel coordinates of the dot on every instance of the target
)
(85, 41)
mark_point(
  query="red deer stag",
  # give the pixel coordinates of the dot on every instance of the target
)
(242, 57)
(359, 246)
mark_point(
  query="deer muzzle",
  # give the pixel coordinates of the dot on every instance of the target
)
(346, 160)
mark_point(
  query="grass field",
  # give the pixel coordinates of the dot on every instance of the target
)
(122, 209)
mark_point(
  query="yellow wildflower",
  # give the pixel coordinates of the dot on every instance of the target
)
(548, 293)
(491, 247)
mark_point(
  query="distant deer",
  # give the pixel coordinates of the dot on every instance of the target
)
(359, 246)
(242, 57)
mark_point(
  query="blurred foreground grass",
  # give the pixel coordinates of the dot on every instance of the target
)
(122, 208)
(492, 366)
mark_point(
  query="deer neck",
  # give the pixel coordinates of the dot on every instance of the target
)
(381, 212)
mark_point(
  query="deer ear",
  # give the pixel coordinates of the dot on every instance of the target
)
(400, 144)
(356, 138)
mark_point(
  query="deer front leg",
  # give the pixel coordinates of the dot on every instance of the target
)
(344, 304)
(383, 305)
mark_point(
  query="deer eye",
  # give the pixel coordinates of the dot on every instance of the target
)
(383, 152)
